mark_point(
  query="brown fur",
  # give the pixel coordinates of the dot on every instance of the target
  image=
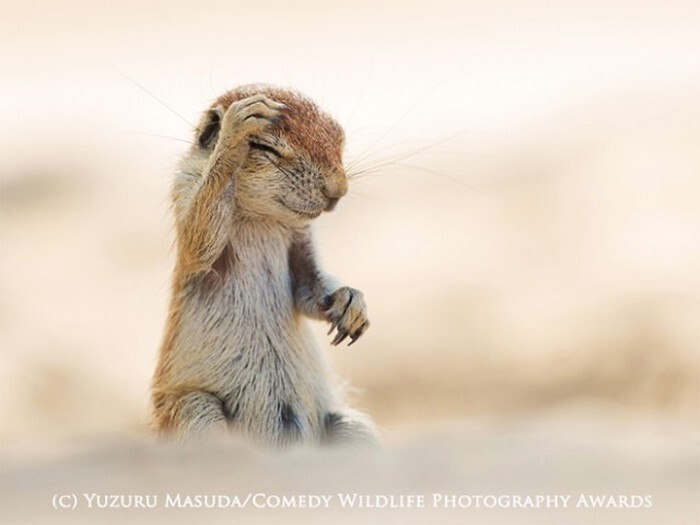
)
(306, 127)
(236, 354)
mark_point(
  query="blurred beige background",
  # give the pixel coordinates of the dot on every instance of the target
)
(526, 236)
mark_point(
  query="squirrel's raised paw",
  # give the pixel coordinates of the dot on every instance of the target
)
(251, 115)
(346, 310)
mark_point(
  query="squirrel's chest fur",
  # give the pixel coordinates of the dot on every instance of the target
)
(239, 337)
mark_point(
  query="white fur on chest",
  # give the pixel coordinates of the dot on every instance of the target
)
(244, 341)
(251, 304)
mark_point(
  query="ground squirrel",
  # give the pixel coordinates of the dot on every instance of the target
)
(237, 356)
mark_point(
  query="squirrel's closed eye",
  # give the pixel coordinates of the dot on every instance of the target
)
(264, 147)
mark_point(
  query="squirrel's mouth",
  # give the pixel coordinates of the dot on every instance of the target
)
(331, 204)
(302, 211)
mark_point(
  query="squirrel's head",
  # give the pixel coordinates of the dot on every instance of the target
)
(294, 170)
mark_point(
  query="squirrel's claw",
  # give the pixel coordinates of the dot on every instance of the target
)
(347, 313)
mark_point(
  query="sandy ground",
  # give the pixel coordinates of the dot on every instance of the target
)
(525, 233)
(572, 459)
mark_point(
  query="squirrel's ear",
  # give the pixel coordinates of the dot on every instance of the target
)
(209, 130)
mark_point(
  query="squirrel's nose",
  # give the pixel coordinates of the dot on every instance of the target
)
(334, 187)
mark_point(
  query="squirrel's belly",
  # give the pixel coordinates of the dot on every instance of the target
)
(260, 360)
(273, 394)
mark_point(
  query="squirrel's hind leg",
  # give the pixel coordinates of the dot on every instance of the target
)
(348, 427)
(195, 414)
